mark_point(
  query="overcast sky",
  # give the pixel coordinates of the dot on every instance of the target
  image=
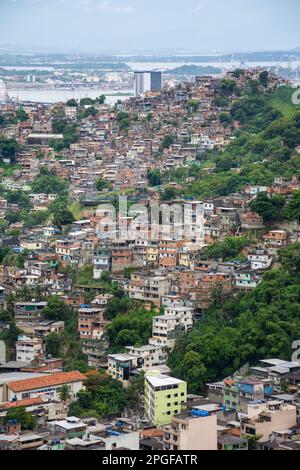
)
(126, 25)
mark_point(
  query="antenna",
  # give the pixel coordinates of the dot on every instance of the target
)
(243, 63)
(231, 62)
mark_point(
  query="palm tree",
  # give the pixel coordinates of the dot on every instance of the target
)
(64, 393)
(26, 293)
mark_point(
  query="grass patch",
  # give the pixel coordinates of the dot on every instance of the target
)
(76, 210)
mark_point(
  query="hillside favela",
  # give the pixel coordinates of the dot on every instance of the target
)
(149, 227)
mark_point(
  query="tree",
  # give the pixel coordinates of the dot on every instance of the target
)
(135, 392)
(21, 198)
(26, 294)
(8, 148)
(225, 119)
(167, 142)
(292, 210)
(19, 414)
(101, 184)
(264, 78)
(5, 316)
(227, 87)
(64, 217)
(49, 183)
(270, 208)
(72, 103)
(193, 106)
(262, 322)
(193, 371)
(169, 193)
(56, 309)
(64, 393)
(227, 249)
(53, 344)
(252, 440)
(154, 177)
(117, 306)
(21, 115)
(102, 398)
(101, 99)
(290, 258)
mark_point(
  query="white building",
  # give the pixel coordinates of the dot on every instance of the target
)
(147, 81)
(28, 349)
(47, 385)
(165, 327)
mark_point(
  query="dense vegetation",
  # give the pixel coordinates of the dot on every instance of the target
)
(263, 147)
(65, 344)
(245, 328)
(19, 413)
(105, 397)
(8, 148)
(227, 250)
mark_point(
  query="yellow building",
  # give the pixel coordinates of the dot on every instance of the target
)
(152, 253)
(164, 397)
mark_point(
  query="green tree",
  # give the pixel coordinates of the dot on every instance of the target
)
(292, 210)
(8, 148)
(21, 115)
(101, 184)
(53, 344)
(56, 309)
(19, 414)
(64, 393)
(193, 371)
(290, 258)
(154, 177)
(72, 103)
(167, 142)
(270, 208)
(64, 217)
(264, 78)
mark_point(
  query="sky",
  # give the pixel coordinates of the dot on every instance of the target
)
(127, 26)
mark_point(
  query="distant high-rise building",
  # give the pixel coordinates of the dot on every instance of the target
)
(3, 93)
(147, 81)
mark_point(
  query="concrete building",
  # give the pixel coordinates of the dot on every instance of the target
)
(147, 81)
(91, 323)
(151, 356)
(263, 418)
(164, 397)
(44, 385)
(195, 429)
(166, 326)
(120, 366)
(28, 349)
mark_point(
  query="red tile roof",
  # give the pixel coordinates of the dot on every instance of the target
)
(47, 381)
(25, 402)
(153, 432)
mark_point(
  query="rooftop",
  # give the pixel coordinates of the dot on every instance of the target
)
(46, 380)
(162, 380)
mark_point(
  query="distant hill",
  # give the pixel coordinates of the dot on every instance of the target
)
(195, 70)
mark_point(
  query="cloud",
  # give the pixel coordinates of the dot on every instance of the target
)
(196, 8)
(105, 6)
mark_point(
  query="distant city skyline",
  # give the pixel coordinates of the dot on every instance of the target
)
(132, 26)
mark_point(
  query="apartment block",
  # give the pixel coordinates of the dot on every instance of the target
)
(263, 418)
(195, 429)
(164, 397)
(165, 327)
(28, 349)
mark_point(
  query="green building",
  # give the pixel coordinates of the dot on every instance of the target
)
(164, 397)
